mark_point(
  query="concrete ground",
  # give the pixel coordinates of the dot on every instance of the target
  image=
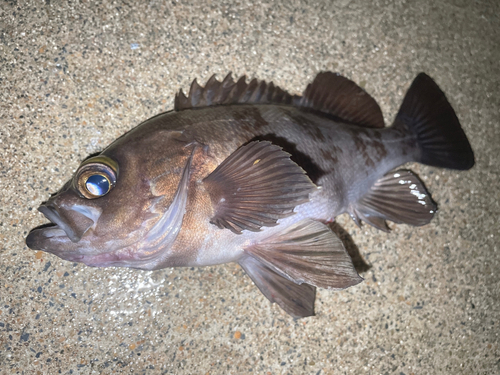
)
(76, 76)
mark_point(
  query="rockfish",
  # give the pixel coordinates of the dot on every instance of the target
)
(247, 173)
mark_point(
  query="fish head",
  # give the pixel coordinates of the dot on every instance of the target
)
(123, 207)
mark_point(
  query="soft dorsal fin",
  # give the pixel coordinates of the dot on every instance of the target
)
(230, 92)
(329, 93)
(338, 96)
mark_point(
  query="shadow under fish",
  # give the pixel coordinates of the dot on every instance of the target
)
(245, 172)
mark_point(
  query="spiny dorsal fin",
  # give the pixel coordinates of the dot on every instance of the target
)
(330, 93)
(230, 92)
(338, 96)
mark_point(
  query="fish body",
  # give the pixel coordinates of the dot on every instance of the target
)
(248, 173)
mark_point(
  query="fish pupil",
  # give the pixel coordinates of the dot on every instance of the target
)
(97, 185)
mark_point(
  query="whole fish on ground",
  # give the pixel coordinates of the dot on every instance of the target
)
(245, 172)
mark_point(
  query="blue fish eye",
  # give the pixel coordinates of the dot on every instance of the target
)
(97, 185)
(96, 177)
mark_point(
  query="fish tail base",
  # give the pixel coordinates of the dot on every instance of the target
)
(431, 118)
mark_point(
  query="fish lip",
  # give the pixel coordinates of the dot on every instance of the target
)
(54, 217)
(41, 237)
(31, 239)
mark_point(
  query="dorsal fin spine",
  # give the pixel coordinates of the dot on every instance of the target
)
(329, 94)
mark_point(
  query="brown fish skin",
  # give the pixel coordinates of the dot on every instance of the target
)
(159, 212)
(127, 205)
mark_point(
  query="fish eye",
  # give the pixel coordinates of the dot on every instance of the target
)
(97, 184)
(96, 177)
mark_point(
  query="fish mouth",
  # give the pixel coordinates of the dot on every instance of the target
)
(60, 226)
(45, 236)
(66, 227)
(53, 239)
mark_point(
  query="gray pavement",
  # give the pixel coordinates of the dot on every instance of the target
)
(76, 76)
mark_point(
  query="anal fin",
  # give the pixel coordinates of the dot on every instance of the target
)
(398, 196)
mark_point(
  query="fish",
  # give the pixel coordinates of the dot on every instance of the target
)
(245, 172)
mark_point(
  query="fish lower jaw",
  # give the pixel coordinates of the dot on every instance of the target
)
(47, 237)
(119, 258)
(54, 231)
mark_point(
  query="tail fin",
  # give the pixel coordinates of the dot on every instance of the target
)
(429, 115)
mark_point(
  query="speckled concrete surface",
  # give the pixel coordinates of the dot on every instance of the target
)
(76, 76)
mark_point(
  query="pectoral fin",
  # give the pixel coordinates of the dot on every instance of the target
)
(399, 197)
(255, 186)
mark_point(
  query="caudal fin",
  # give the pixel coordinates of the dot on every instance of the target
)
(429, 115)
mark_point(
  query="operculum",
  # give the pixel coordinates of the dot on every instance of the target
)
(159, 239)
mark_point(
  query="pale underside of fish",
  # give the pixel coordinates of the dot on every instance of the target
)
(245, 172)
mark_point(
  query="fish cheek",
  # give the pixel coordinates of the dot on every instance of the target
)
(125, 208)
(150, 171)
